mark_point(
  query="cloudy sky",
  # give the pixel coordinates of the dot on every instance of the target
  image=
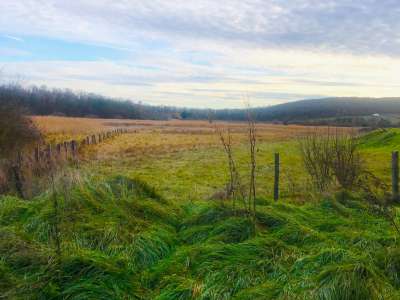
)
(204, 53)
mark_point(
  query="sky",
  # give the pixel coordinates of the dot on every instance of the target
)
(204, 53)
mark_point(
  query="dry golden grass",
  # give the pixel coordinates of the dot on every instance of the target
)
(63, 128)
(64, 125)
(79, 126)
(150, 137)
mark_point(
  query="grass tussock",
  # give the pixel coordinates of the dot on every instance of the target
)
(121, 240)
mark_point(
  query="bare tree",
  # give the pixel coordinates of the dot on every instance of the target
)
(346, 162)
(252, 147)
(331, 157)
(316, 154)
(234, 187)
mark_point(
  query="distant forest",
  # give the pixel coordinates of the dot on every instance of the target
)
(44, 101)
(328, 111)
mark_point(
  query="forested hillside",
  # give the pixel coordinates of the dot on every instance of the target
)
(44, 101)
(327, 111)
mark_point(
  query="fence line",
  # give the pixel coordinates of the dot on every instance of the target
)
(46, 156)
(70, 149)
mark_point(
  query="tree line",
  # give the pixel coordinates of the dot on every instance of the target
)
(329, 111)
(44, 101)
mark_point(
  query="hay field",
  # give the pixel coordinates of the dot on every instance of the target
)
(170, 132)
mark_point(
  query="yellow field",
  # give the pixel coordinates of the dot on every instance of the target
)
(171, 132)
(149, 138)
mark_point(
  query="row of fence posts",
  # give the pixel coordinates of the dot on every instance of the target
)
(395, 176)
(69, 149)
(46, 156)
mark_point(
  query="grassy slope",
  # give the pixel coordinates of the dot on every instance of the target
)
(121, 240)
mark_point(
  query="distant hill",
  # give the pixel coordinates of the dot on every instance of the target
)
(375, 112)
(379, 112)
(329, 108)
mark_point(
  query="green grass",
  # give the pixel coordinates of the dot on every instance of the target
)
(387, 139)
(151, 233)
(121, 240)
(198, 174)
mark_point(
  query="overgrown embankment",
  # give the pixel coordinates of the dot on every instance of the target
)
(121, 240)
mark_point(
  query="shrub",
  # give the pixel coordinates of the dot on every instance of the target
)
(17, 131)
(316, 154)
(346, 163)
(332, 157)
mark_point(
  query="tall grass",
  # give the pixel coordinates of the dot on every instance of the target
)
(123, 240)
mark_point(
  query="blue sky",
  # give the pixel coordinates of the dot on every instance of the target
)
(204, 53)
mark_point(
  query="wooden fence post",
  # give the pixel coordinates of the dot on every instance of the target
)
(16, 169)
(276, 178)
(66, 149)
(87, 140)
(58, 147)
(37, 153)
(74, 148)
(49, 152)
(94, 139)
(395, 175)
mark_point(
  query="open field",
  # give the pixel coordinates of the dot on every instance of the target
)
(185, 158)
(136, 219)
(58, 128)
(66, 125)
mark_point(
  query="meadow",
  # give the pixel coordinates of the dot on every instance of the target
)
(137, 218)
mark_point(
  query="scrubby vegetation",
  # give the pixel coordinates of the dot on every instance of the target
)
(18, 133)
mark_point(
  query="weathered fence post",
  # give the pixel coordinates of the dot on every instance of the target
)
(87, 140)
(66, 149)
(37, 153)
(58, 147)
(94, 139)
(74, 148)
(395, 175)
(16, 169)
(48, 150)
(276, 178)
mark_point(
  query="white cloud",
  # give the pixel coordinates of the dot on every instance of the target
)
(268, 77)
(210, 53)
(14, 38)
